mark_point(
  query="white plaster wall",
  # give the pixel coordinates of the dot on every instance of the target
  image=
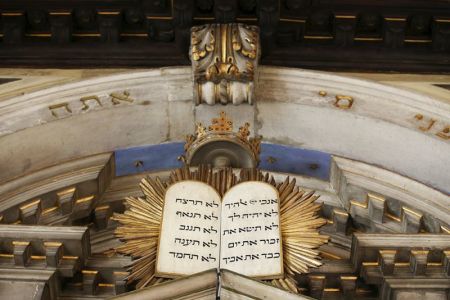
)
(103, 131)
(358, 137)
(380, 127)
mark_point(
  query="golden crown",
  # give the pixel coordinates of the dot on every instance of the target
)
(221, 130)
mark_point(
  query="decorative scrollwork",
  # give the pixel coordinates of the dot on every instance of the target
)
(224, 59)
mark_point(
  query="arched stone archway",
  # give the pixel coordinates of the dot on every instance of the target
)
(69, 154)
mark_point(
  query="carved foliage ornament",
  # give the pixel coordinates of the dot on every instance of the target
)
(224, 59)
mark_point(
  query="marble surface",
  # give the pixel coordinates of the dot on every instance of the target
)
(395, 129)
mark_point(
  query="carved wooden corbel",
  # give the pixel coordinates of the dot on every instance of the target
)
(224, 61)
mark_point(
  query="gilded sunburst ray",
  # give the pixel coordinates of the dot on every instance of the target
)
(299, 222)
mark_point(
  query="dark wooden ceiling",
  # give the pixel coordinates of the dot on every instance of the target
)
(369, 35)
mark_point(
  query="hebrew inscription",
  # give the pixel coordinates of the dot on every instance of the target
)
(251, 239)
(200, 232)
(64, 109)
(432, 125)
(190, 238)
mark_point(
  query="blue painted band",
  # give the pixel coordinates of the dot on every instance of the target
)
(287, 159)
(148, 158)
(274, 157)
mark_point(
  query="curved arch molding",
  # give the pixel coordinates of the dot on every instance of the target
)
(377, 156)
(398, 130)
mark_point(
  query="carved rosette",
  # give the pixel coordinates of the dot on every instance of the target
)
(224, 60)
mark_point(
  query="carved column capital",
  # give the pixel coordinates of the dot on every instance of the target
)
(224, 61)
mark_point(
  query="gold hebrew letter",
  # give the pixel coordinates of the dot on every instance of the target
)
(343, 102)
(116, 97)
(428, 125)
(87, 98)
(54, 107)
(445, 133)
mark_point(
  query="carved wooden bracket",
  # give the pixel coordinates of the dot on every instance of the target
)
(224, 61)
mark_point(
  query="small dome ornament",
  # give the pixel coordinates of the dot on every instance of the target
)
(220, 146)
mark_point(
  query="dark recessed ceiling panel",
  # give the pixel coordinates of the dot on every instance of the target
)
(372, 35)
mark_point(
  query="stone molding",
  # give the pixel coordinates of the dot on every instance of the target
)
(396, 129)
(274, 84)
